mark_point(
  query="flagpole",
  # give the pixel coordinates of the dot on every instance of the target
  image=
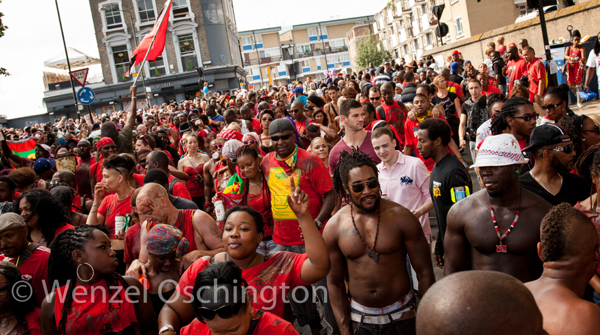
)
(151, 43)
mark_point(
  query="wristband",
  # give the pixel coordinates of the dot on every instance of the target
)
(208, 204)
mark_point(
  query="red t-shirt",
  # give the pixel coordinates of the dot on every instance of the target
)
(454, 88)
(268, 283)
(261, 203)
(256, 127)
(411, 129)
(301, 128)
(66, 226)
(180, 189)
(515, 71)
(96, 170)
(92, 312)
(395, 116)
(111, 208)
(490, 89)
(315, 181)
(268, 324)
(537, 72)
(87, 161)
(139, 179)
(34, 270)
(132, 244)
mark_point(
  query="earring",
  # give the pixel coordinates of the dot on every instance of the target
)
(77, 271)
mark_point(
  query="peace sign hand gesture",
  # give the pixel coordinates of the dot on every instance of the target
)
(297, 199)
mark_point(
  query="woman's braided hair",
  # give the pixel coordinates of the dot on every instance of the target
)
(63, 270)
(589, 162)
(347, 162)
(509, 109)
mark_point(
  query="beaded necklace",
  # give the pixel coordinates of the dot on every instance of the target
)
(372, 253)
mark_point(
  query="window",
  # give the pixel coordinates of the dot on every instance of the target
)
(306, 65)
(337, 43)
(112, 13)
(258, 42)
(270, 53)
(187, 50)
(318, 61)
(121, 60)
(390, 15)
(405, 49)
(247, 43)
(146, 10)
(324, 33)
(312, 34)
(157, 68)
(180, 8)
(430, 39)
(254, 73)
(281, 70)
(300, 49)
(458, 27)
(338, 58)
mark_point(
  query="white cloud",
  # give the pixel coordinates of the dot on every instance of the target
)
(34, 36)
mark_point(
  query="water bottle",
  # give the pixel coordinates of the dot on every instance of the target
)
(219, 210)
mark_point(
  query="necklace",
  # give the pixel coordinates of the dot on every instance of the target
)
(259, 183)
(372, 253)
(119, 199)
(544, 186)
(502, 248)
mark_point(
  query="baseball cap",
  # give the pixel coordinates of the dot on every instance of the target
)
(499, 150)
(43, 165)
(298, 89)
(455, 52)
(11, 221)
(453, 67)
(547, 134)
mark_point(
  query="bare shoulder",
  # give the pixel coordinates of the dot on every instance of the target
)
(584, 316)
(220, 257)
(202, 216)
(390, 208)
(332, 228)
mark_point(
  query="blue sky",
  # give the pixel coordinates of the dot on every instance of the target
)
(34, 36)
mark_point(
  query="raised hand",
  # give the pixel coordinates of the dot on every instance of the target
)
(297, 199)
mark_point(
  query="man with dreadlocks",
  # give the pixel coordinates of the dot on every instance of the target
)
(92, 298)
(375, 261)
(485, 237)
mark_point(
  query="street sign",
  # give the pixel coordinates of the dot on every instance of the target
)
(80, 76)
(86, 96)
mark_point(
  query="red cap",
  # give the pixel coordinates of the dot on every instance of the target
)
(104, 141)
(455, 52)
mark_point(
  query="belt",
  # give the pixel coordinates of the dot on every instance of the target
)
(382, 319)
(267, 238)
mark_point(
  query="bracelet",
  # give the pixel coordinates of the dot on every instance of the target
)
(208, 204)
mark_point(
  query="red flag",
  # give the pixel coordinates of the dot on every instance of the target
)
(156, 49)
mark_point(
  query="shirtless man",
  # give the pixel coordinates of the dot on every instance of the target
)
(332, 109)
(570, 252)
(209, 168)
(479, 302)
(374, 260)
(517, 211)
(154, 206)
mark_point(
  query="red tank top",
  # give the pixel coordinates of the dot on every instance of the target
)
(262, 203)
(91, 313)
(185, 223)
(194, 185)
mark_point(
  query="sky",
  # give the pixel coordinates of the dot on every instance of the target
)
(33, 36)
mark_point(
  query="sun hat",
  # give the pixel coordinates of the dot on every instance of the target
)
(499, 150)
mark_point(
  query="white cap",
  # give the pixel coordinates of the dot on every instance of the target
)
(499, 150)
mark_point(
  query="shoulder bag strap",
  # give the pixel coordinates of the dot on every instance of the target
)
(254, 323)
(26, 253)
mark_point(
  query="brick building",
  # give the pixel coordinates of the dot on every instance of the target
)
(121, 24)
(353, 38)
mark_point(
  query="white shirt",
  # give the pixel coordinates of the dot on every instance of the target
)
(483, 131)
(594, 61)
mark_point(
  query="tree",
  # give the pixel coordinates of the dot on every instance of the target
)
(368, 51)
(2, 29)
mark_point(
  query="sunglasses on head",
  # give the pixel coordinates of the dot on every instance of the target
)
(551, 107)
(218, 146)
(567, 149)
(224, 312)
(110, 166)
(360, 186)
(250, 142)
(281, 137)
(527, 117)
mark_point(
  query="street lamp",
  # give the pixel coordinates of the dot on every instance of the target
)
(104, 8)
(290, 45)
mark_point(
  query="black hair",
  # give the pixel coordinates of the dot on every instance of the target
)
(11, 183)
(311, 128)
(588, 162)
(369, 108)
(347, 105)
(427, 87)
(561, 92)
(23, 177)
(437, 128)
(554, 231)
(250, 151)
(118, 161)
(19, 307)
(51, 214)
(347, 162)
(64, 195)
(204, 118)
(325, 118)
(157, 176)
(409, 76)
(267, 111)
(256, 216)
(572, 124)
(597, 46)
(364, 91)
(576, 33)
(219, 284)
(149, 140)
(63, 270)
(160, 157)
(510, 107)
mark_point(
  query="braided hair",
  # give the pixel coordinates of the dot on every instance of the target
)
(589, 162)
(572, 124)
(347, 162)
(51, 213)
(63, 270)
(249, 150)
(510, 108)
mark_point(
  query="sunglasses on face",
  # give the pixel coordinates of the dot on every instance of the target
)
(551, 107)
(250, 142)
(567, 149)
(218, 146)
(359, 187)
(294, 111)
(281, 137)
(224, 312)
(527, 117)
(267, 119)
(375, 98)
(142, 161)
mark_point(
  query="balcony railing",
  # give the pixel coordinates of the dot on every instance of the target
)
(263, 60)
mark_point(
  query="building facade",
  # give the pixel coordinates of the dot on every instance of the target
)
(278, 56)
(407, 27)
(121, 24)
(354, 38)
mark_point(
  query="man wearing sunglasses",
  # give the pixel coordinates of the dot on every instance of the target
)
(550, 177)
(375, 96)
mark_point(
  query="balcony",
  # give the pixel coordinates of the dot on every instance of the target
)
(263, 60)
(332, 50)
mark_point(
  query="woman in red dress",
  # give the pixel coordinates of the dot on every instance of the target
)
(575, 58)
(269, 277)
(217, 314)
(92, 298)
(19, 316)
(193, 164)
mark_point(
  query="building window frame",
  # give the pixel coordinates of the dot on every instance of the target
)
(247, 44)
(452, 2)
(189, 15)
(138, 17)
(116, 40)
(105, 28)
(185, 28)
(258, 42)
(313, 34)
(458, 20)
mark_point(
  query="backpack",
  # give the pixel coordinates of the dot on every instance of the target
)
(172, 185)
(475, 116)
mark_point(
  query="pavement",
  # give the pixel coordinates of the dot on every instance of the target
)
(588, 108)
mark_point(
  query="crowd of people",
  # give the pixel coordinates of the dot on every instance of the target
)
(310, 202)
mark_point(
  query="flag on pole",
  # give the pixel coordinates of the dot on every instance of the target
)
(25, 148)
(154, 50)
